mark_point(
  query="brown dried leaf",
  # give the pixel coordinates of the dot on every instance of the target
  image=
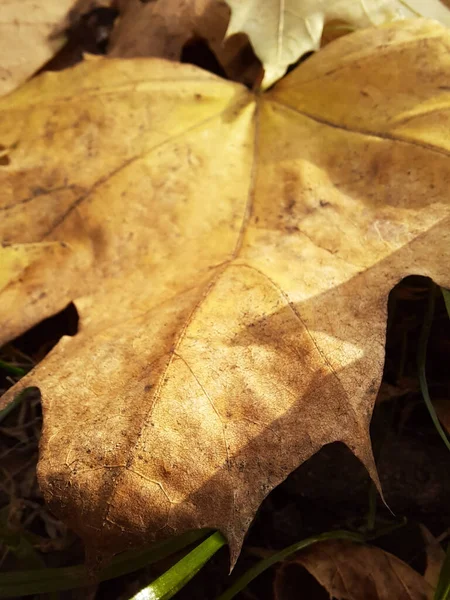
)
(230, 255)
(435, 556)
(350, 571)
(442, 406)
(162, 28)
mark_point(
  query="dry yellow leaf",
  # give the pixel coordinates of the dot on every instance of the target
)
(30, 34)
(230, 255)
(350, 571)
(282, 31)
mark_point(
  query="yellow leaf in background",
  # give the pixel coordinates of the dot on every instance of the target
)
(30, 34)
(230, 255)
(281, 31)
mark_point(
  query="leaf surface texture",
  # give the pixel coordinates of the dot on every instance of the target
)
(230, 256)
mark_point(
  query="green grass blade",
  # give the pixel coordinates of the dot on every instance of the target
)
(12, 369)
(14, 404)
(443, 586)
(42, 581)
(170, 582)
(264, 564)
(421, 362)
(446, 294)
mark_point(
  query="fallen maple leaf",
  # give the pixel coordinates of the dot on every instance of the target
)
(350, 571)
(164, 27)
(161, 28)
(282, 31)
(230, 255)
(30, 34)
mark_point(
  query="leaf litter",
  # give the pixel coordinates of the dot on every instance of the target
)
(21, 258)
(241, 392)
